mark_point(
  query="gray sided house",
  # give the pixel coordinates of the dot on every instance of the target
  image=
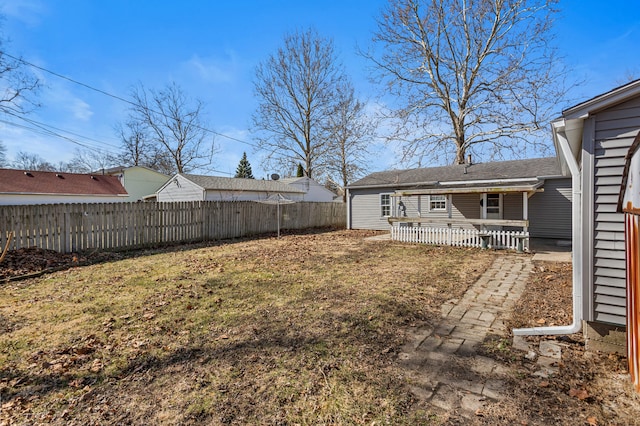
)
(532, 195)
(188, 187)
(594, 138)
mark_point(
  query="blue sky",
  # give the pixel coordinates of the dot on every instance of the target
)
(211, 49)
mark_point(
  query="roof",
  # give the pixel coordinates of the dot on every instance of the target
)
(476, 174)
(14, 181)
(217, 183)
(570, 125)
(604, 100)
(289, 180)
(122, 169)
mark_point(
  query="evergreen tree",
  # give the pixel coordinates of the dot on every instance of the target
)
(244, 168)
(300, 171)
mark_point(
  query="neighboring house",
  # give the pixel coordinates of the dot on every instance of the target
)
(140, 182)
(187, 187)
(19, 187)
(594, 137)
(530, 195)
(314, 192)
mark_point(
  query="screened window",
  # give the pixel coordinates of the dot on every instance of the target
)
(437, 203)
(385, 205)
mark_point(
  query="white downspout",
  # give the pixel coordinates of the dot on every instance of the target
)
(576, 244)
(348, 208)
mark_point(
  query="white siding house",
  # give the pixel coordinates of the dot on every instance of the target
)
(314, 192)
(188, 187)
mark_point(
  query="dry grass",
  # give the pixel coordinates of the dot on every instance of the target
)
(301, 330)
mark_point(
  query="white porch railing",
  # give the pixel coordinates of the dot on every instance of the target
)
(461, 237)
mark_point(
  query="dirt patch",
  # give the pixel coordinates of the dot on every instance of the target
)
(588, 389)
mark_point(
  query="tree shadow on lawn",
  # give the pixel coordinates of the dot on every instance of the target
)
(341, 347)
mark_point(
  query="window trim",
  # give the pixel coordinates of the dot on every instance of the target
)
(387, 205)
(443, 200)
(485, 205)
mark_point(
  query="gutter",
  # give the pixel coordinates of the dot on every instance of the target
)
(392, 184)
(559, 132)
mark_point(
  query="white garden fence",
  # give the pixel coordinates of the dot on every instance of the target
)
(461, 237)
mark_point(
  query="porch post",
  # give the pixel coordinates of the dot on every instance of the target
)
(525, 209)
(393, 212)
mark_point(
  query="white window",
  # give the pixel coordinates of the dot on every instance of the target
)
(437, 203)
(385, 205)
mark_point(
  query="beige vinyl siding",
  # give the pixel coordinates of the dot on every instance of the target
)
(140, 182)
(550, 210)
(615, 129)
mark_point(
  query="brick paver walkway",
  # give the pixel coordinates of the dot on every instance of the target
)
(442, 364)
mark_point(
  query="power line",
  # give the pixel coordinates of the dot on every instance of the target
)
(43, 130)
(120, 98)
(47, 128)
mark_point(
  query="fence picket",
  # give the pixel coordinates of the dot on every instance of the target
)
(111, 226)
(458, 237)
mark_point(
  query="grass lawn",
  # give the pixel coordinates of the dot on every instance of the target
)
(300, 330)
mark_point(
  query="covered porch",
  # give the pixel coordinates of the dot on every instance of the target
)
(482, 214)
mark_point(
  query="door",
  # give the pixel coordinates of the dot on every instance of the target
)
(492, 209)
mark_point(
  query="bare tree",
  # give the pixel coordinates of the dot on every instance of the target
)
(173, 122)
(17, 84)
(3, 154)
(295, 88)
(351, 133)
(90, 160)
(29, 161)
(470, 76)
(139, 150)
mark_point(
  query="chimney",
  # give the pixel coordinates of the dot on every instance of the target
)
(469, 159)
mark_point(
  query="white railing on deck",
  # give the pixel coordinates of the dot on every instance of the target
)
(461, 237)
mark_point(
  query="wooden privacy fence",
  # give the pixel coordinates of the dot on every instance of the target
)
(111, 226)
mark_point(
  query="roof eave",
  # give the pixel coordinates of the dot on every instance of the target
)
(606, 100)
(390, 184)
(472, 190)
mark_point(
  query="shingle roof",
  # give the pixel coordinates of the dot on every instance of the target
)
(238, 184)
(514, 169)
(31, 182)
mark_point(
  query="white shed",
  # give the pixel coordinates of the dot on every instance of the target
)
(188, 187)
(314, 192)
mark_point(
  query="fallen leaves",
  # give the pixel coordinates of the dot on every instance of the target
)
(581, 394)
